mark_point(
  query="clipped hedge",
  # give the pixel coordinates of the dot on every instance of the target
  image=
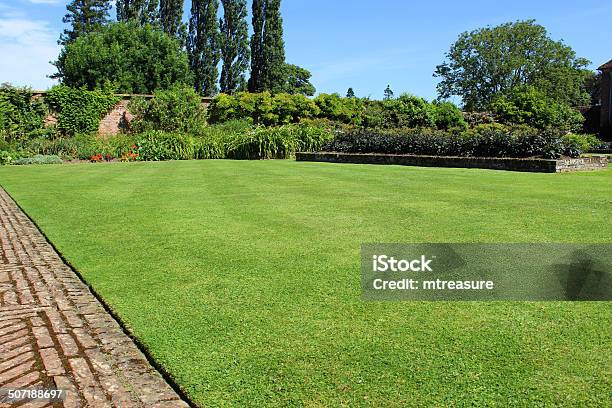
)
(483, 141)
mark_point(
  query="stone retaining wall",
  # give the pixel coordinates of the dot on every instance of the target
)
(531, 165)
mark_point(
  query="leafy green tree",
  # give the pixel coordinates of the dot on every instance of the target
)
(203, 45)
(257, 50)
(297, 81)
(141, 11)
(133, 59)
(350, 93)
(84, 16)
(491, 61)
(268, 70)
(171, 17)
(388, 93)
(527, 105)
(235, 52)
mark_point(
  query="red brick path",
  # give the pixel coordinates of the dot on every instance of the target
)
(54, 333)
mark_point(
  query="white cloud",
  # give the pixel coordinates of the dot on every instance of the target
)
(27, 46)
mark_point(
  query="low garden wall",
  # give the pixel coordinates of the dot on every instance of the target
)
(531, 165)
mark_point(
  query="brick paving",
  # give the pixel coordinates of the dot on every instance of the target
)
(55, 334)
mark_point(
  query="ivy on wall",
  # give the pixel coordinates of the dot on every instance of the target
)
(79, 110)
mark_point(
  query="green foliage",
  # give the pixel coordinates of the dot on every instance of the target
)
(576, 144)
(487, 62)
(482, 141)
(448, 115)
(410, 111)
(141, 12)
(388, 93)
(133, 59)
(39, 159)
(171, 16)
(345, 110)
(84, 16)
(235, 140)
(235, 52)
(279, 109)
(262, 108)
(79, 110)
(157, 146)
(5, 158)
(178, 109)
(350, 93)
(203, 45)
(297, 81)
(268, 69)
(527, 105)
(20, 115)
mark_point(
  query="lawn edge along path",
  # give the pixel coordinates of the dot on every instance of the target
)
(56, 333)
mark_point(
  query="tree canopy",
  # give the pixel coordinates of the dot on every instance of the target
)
(133, 58)
(297, 81)
(84, 16)
(494, 60)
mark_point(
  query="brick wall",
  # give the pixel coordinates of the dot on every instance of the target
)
(117, 119)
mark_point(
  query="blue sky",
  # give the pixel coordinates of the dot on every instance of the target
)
(362, 44)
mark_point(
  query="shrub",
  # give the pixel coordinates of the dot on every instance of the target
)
(79, 110)
(20, 115)
(5, 158)
(157, 146)
(526, 105)
(409, 111)
(484, 141)
(577, 144)
(178, 109)
(345, 110)
(39, 159)
(261, 108)
(447, 115)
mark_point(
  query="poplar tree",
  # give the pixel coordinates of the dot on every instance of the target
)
(171, 16)
(235, 52)
(267, 47)
(84, 16)
(273, 77)
(258, 21)
(203, 45)
(141, 11)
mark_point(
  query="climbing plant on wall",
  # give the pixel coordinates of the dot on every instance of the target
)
(79, 110)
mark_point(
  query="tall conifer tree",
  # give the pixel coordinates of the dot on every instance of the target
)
(257, 49)
(84, 16)
(171, 16)
(203, 45)
(235, 51)
(273, 48)
(142, 11)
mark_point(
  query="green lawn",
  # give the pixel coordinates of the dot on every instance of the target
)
(242, 278)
